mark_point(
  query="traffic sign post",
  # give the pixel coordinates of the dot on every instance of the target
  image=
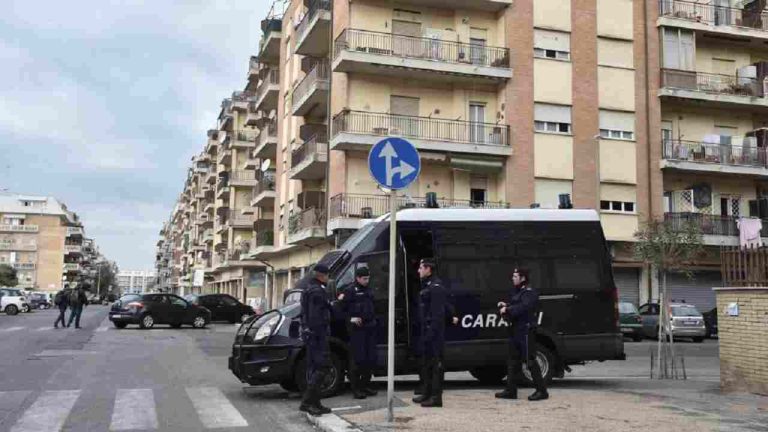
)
(394, 163)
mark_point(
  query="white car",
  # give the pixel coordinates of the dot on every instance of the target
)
(12, 301)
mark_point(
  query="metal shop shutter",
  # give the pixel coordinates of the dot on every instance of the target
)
(628, 283)
(696, 291)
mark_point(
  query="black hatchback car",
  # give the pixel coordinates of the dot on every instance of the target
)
(223, 307)
(146, 310)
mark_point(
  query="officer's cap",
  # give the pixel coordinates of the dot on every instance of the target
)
(321, 268)
(428, 262)
(362, 272)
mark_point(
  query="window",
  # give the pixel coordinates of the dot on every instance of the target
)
(617, 206)
(678, 49)
(575, 274)
(552, 118)
(617, 125)
(551, 45)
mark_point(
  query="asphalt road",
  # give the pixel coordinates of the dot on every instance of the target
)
(99, 378)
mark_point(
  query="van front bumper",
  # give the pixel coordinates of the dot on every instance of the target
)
(266, 364)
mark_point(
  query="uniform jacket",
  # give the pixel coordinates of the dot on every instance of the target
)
(358, 302)
(433, 309)
(315, 307)
(522, 309)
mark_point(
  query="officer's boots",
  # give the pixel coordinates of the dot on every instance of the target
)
(433, 401)
(366, 384)
(508, 393)
(539, 395)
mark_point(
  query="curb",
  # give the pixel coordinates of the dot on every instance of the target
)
(331, 423)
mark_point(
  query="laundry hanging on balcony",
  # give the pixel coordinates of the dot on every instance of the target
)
(749, 232)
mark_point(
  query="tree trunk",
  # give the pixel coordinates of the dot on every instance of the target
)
(660, 334)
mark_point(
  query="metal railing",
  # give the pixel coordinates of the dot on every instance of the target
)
(723, 154)
(321, 72)
(247, 136)
(74, 231)
(19, 228)
(709, 224)
(266, 183)
(455, 131)
(314, 8)
(711, 83)
(750, 17)
(241, 96)
(243, 175)
(27, 266)
(264, 238)
(372, 206)
(17, 247)
(73, 248)
(309, 218)
(318, 144)
(394, 45)
(71, 267)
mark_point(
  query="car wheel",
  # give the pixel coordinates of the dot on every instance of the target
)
(41, 307)
(25, 308)
(147, 321)
(489, 375)
(11, 310)
(546, 361)
(333, 381)
(698, 339)
(120, 325)
(199, 322)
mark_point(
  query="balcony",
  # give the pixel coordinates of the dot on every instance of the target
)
(309, 160)
(208, 236)
(74, 232)
(266, 147)
(25, 266)
(73, 249)
(245, 139)
(264, 241)
(750, 21)
(72, 267)
(243, 178)
(223, 192)
(307, 227)
(269, 46)
(311, 94)
(314, 30)
(240, 100)
(716, 230)
(359, 130)
(701, 157)
(253, 69)
(19, 228)
(238, 221)
(724, 91)
(225, 157)
(480, 5)
(347, 210)
(7, 246)
(408, 57)
(264, 192)
(268, 90)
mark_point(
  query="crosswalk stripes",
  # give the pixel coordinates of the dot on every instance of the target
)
(130, 402)
(214, 408)
(48, 413)
(11, 329)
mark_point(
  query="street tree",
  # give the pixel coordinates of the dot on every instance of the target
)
(667, 247)
(8, 276)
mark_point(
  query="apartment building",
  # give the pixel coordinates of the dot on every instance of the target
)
(136, 281)
(42, 240)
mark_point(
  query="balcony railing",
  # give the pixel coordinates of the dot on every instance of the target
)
(242, 175)
(750, 17)
(19, 228)
(723, 154)
(309, 218)
(247, 136)
(71, 267)
(268, 131)
(321, 72)
(74, 231)
(372, 206)
(24, 266)
(272, 77)
(314, 8)
(421, 48)
(73, 248)
(264, 238)
(266, 183)
(711, 83)
(455, 131)
(318, 144)
(709, 224)
(17, 247)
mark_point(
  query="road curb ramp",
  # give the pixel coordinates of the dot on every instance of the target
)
(331, 423)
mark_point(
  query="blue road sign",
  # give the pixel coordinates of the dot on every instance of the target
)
(394, 163)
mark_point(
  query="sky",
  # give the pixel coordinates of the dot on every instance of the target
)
(104, 103)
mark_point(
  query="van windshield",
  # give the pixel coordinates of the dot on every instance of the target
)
(357, 237)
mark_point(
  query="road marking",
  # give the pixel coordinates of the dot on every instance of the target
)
(349, 408)
(48, 413)
(44, 328)
(11, 329)
(134, 409)
(214, 409)
(102, 329)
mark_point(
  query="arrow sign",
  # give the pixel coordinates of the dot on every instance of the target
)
(393, 163)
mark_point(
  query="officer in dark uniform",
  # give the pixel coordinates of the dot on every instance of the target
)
(356, 306)
(433, 310)
(521, 314)
(315, 321)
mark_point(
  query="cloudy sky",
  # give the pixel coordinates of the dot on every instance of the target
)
(103, 103)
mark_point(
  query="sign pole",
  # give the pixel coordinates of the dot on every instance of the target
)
(391, 311)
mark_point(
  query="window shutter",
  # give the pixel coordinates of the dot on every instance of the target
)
(551, 40)
(617, 120)
(552, 113)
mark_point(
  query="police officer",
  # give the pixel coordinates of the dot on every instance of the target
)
(433, 310)
(356, 306)
(315, 321)
(521, 314)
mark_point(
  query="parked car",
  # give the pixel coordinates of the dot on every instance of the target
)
(39, 300)
(147, 310)
(710, 321)
(223, 307)
(12, 301)
(686, 320)
(630, 323)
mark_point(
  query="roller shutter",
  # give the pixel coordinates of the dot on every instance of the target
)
(697, 290)
(628, 284)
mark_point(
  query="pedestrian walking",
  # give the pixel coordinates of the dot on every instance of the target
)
(77, 301)
(433, 310)
(521, 312)
(356, 307)
(315, 322)
(61, 300)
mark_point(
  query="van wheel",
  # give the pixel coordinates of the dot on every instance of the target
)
(489, 375)
(11, 310)
(333, 381)
(547, 363)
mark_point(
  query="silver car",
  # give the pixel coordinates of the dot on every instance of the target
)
(687, 321)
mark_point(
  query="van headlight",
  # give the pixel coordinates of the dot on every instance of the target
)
(272, 325)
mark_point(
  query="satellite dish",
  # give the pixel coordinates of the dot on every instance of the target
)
(265, 165)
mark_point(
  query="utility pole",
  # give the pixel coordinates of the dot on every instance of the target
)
(98, 282)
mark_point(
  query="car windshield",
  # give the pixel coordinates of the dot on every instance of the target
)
(627, 308)
(685, 311)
